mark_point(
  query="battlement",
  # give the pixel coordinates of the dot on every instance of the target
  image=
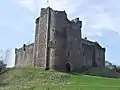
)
(59, 14)
(77, 22)
(37, 20)
(91, 43)
(24, 48)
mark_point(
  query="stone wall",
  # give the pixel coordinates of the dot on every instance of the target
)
(40, 48)
(74, 44)
(35, 51)
(24, 56)
(93, 52)
(60, 31)
(88, 55)
(100, 55)
(88, 52)
(57, 39)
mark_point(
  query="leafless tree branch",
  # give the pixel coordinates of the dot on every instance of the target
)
(5, 55)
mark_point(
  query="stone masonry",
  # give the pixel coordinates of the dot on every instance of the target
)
(59, 45)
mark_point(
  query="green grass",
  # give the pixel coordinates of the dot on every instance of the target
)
(103, 72)
(38, 79)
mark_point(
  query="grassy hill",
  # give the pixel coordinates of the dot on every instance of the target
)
(103, 72)
(38, 79)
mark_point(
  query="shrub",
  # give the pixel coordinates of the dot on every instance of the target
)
(2, 66)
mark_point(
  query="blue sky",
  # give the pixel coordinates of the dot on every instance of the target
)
(100, 18)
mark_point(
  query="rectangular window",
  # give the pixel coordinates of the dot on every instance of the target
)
(68, 53)
(24, 47)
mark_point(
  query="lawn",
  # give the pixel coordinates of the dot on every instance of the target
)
(38, 79)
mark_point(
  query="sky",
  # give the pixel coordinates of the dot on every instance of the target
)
(100, 20)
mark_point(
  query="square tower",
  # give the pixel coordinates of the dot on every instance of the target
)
(52, 40)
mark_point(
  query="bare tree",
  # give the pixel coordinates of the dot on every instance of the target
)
(5, 55)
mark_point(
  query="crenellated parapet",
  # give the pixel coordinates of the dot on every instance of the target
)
(77, 21)
(24, 55)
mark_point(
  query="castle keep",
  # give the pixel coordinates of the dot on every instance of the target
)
(59, 44)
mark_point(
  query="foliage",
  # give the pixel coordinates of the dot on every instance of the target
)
(109, 65)
(116, 68)
(5, 55)
(2, 66)
(112, 66)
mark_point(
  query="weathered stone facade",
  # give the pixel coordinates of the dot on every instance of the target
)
(24, 56)
(59, 43)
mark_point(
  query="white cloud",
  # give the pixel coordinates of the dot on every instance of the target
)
(94, 14)
(28, 4)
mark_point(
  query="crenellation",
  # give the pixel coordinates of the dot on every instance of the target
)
(24, 56)
(37, 20)
(60, 14)
(104, 49)
(16, 50)
(76, 20)
(85, 41)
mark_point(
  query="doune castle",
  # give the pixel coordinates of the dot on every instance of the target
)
(59, 45)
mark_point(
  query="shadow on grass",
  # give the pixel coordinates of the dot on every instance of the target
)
(78, 71)
(3, 84)
(98, 72)
(71, 72)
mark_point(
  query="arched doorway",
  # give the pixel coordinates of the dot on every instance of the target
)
(68, 67)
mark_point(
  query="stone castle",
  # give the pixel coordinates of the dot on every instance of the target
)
(59, 45)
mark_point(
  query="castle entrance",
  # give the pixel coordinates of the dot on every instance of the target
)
(68, 67)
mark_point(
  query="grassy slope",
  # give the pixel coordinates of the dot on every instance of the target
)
(36, 79)
(103, 72)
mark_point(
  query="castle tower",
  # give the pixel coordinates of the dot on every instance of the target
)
(49, 48)
(74, 51)
(57, 43)
(41, 38)
(53, 31)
